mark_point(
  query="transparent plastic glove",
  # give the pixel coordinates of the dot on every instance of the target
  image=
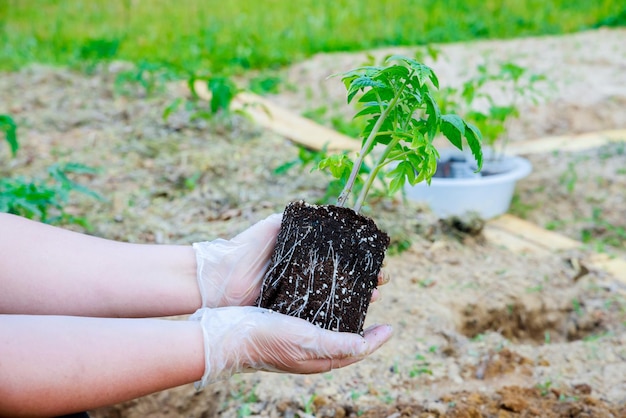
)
(230, 271)
(238, 339)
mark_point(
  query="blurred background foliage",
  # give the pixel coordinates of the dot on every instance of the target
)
(235, 35)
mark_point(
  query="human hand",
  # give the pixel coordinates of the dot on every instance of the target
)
(383, 279)
(238, 339)
(230, 271)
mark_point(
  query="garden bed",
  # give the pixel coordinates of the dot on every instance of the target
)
(477, 327)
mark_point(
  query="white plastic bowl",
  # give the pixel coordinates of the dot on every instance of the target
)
(488, 196)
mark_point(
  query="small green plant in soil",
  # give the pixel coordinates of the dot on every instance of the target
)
(144, 79)
(569, 177)
(420, 367)
(245, 397)
(264, 84)
(9, 128)
(223, 90)
(46, 200)
(327, 258)
(545, 387)
(601, 232)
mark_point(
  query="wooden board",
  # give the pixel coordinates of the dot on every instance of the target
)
(521, 236)
(532, 233)
(512, 242)
(567, 142)
(614, 266)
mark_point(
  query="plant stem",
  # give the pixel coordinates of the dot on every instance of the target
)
(345, 193)
(382, 161)
(373, 174)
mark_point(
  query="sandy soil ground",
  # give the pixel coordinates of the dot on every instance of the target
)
(479, 330)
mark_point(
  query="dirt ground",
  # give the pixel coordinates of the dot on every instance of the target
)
(479, 331)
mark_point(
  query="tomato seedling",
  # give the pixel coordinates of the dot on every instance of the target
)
(403, 122)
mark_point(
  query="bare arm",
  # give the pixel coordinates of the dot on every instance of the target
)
(54, 365)
(48, 270)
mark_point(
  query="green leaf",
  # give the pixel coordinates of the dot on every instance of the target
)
(398, 179)
(421, 71)
(370, 108)
(418, 140)
(474, 140)
(43, 200)
(432, 164)
(424, 162)
(402, 58)
(223, 90)
(502, 113)
(453, 128)
(79, 168)
(409, 171)
(338, 165)
(384, 139)
(169, 109)
(513, 70)
(434, 79)
(384, 94)
(403, 172)
(191, 85)
(356, 72)
(416, 96)
(59, 174)
(284, 168)
(425, 73)
(469, 92)
(201, 114)
(362, 82)
(8, 125)
(394, 72)
(434, 116)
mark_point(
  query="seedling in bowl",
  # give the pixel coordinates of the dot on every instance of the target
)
(491, 99)
(327, 258)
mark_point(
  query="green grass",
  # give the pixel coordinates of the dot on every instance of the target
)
(241, 34)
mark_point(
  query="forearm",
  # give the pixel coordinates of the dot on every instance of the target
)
(52, 365)
(50, 270)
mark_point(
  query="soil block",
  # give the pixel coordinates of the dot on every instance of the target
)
(325, 266)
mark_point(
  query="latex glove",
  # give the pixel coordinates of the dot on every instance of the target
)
(238, 339)
(230, 272)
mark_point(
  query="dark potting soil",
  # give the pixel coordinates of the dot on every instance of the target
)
(325, 266)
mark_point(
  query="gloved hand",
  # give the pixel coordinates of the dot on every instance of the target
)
(249, 338)
(230, 271)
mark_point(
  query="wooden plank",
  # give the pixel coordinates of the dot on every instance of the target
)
(512, 242)
(533, 233)
(614, 266)
(566, 142)
(521, 236)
